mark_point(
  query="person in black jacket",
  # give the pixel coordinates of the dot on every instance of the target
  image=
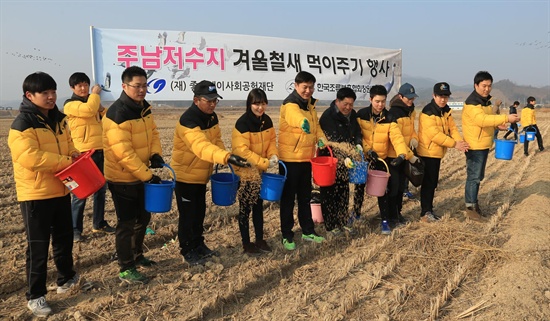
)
(339, 123)
(513, 126)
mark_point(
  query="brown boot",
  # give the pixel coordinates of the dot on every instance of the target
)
(472, 214)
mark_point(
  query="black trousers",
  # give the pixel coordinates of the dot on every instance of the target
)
(539, 140)
(297, 185)
(191, 200)
(429, 183)
(514, 130)
(358, 197)
(132, 221)
(43, 218)
(335, 200)
(246, 204)
(391, 203)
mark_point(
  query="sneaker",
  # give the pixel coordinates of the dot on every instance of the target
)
(385, 228)
(408, 195)
(105, 229)
(478, 210)
(132, 276)
(194, 258)
(313, 238)
(143, 261)
(39, 307)
(205, 252)
(335, 232)
(251, 249)
(77, 236)
(289, 245)
(472, 214)
(150, 231)
(429, 217)
(263, 246)
(541, 149)
(68, 285)
(354, 218)
(350, 230)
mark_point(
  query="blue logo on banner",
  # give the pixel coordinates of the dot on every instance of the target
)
(155, 85)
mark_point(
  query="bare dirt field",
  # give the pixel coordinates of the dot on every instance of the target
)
(454, 269)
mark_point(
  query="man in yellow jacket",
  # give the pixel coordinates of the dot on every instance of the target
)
(41, 146)
(530, 123)
(197, 146)
(437, 131)
(478, 127)
(299, 136)
(131, 145)
(84, 112)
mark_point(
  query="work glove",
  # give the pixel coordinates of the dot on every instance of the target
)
(273, 161)
(398, 160)
(237, 161)
(322, 143)
(413, 143)
(154, 180)
(349, 163)
(305, 126)
(156, 161)
(372, 156)
(359, 148)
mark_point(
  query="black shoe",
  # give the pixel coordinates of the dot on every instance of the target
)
(263, 246)
(526, 154)
(193, 258)
(251, 249)
(205, 252)
(541, 149)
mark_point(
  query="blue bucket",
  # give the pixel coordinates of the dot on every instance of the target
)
(522, 138)
(530, 134)
(504, 149)
(224, 187)
(158, 197)
(272, 185)
(358, 175)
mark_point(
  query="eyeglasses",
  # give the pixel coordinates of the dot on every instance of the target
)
(213, 101)
(138, 87)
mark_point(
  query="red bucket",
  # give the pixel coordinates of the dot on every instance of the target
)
(324, 169)
(82, 177)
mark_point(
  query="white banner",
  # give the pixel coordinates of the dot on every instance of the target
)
(176, 60)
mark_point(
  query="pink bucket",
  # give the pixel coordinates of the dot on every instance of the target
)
(316, 213)
(377, 181)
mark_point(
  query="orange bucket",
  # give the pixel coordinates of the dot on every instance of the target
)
(324, 169)
(82, 177)
(377, 181)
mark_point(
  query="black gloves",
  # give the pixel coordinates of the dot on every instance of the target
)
(156, 161)
(154, 180)
(237, 161)
(398, 160)
(372, 156)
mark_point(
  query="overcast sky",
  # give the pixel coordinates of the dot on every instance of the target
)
(443, 40)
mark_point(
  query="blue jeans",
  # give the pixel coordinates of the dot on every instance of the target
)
(78, 205)
(475, 172)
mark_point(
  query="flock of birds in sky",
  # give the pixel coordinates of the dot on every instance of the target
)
(34, 56)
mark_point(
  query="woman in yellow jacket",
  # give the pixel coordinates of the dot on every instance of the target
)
(299, 136)
(478, 127)
(254, 139)
(197, 146)
(437, 131)
(380, 132)
(530, 122)
(40, 146)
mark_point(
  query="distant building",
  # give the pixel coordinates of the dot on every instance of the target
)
(456, 105)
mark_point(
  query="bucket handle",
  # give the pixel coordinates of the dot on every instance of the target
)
(284, 166)
(173, 174)
(230, 167)
(385, 164)
(329, 150)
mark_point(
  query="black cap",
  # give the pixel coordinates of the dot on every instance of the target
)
(206, 89)
(442, 89)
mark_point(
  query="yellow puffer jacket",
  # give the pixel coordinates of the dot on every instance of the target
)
(380, 132)
(197, 146)
(404, 116)
(294, 144)
(478, 122)
(40, 147)
(254, 139)
(85, 122)
(130, 138)
(528, 116)
(437, 131)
